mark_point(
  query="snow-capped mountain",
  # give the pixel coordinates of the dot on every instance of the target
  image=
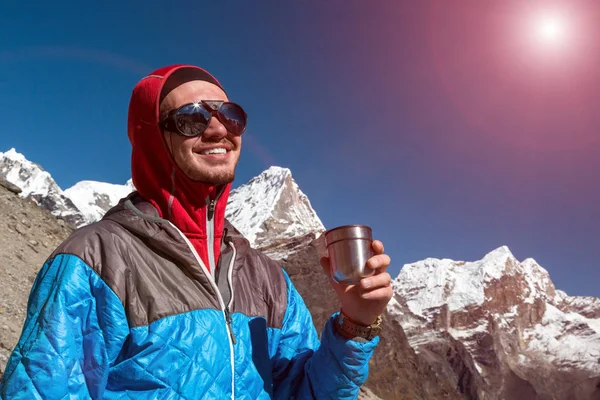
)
(270, 210)
(38, 185)
(94, 199)
(500, 326)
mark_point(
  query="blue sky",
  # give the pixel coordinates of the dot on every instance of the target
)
(444, 125)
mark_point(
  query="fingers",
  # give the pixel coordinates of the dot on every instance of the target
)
(376, 286)
(377, 247)
(381, 261)
(385, 293)
(376, 281)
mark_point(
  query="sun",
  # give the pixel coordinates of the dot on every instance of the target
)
(550, 29)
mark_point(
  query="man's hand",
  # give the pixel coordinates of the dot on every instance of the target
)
(364, 302)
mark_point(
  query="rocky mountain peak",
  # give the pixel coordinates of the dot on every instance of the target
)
(522, 336)
(270, 210)
(94, 198)
(37, 185)
(30, 177)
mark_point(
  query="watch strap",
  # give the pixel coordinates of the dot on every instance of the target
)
(351, 330)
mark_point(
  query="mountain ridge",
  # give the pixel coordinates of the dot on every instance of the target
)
(513, 323)
(37, 184)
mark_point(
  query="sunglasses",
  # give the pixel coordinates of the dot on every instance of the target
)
(192, 119)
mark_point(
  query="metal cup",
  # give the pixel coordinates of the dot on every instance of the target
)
(349, 247)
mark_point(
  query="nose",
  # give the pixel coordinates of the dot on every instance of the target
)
(215, 130)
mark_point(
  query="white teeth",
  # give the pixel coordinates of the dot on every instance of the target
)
(219, 150)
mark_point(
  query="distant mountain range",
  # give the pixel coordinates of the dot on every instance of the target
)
(491, 329)
(509, 332)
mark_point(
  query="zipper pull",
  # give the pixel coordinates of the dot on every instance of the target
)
(228, 319)
(211, 209)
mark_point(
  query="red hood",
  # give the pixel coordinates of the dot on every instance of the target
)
(156, 176)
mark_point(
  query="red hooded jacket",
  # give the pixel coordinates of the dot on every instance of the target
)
(160, 181)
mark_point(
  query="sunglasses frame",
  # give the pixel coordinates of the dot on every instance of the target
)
(169, 121)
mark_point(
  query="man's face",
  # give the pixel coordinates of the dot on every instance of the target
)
(190, 152)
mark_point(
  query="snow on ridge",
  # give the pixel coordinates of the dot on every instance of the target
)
(96, 185)
(588, 306)
(37, 184)
(495, 262)
(559, 297)
(567, 336)
(29, 176)
(85, 202)
(271, 206)
(538, 281)
(423, 284)
(461, 334)
(250, 204)
(532, 266)
(14, 155)
(94, 198)
(500, 252)
(434, 282)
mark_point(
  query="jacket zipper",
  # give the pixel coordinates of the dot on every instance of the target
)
(228, 319)
(211, 208)
(210, 232)
(230, 283)
(224, 308)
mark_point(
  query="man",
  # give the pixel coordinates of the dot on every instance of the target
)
(164, 299)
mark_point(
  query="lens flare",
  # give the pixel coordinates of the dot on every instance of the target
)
(551, 30)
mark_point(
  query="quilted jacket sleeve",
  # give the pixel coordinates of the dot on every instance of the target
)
(74, 329)
(334, 368)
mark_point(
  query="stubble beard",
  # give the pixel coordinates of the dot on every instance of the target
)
(213, 175)
(216, 178)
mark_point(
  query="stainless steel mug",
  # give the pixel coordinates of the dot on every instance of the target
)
(349, 247)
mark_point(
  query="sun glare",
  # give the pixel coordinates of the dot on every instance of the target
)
(551, 30)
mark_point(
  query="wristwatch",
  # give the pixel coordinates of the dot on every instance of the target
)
(351, 330)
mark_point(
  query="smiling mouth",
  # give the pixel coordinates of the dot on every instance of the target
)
(218, 150)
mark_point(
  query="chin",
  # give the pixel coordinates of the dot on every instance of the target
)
(214, 176)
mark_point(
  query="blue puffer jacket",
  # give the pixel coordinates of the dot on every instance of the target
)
(123, 310)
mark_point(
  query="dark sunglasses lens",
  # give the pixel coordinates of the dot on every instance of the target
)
(233, 117)
(192, 120)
